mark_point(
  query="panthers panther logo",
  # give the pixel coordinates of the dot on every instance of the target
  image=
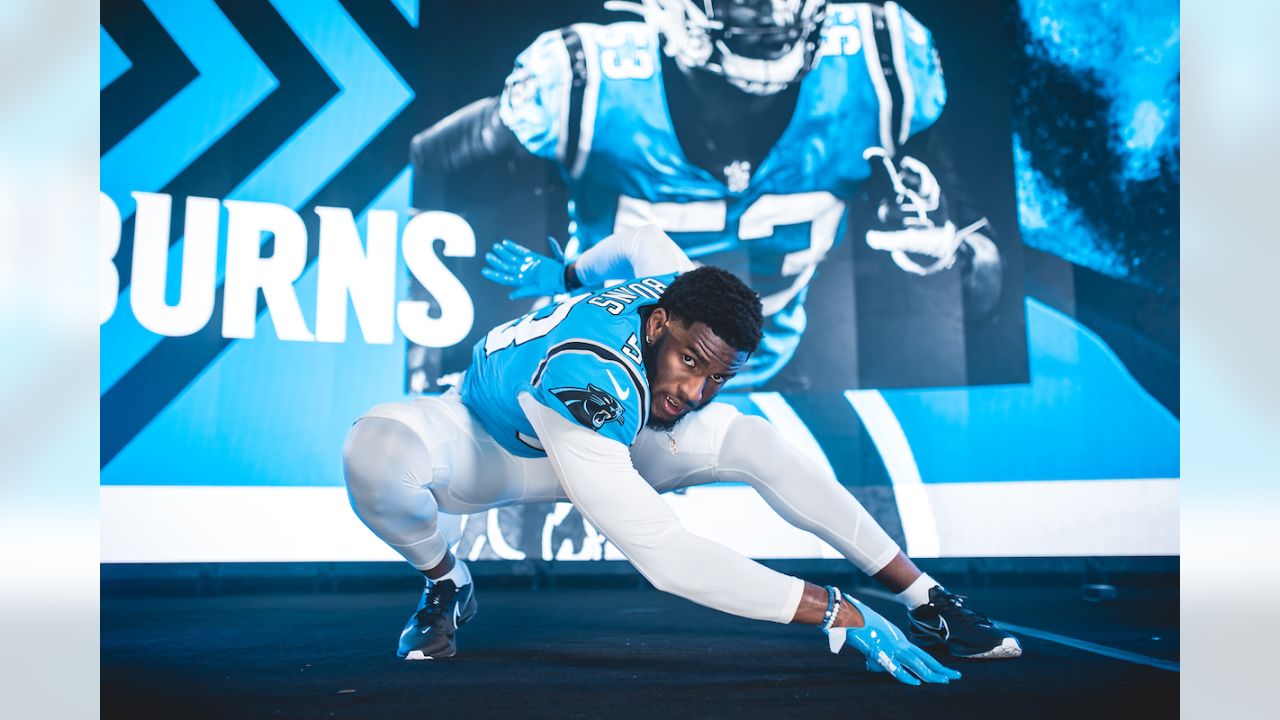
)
(592, 407)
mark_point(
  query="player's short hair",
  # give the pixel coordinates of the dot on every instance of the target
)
(718, 298)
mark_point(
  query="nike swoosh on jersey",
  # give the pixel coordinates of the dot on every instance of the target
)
(622, 394)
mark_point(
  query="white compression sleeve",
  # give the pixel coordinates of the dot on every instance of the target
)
(599, 478)
(632, 253)
(804, 493)
(388, 470)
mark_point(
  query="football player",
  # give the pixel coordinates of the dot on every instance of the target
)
(606, 399)
(744, 128)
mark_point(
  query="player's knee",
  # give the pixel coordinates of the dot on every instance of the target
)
(358, 470)
(373, 462)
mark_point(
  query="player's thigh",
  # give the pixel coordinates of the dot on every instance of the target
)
(469, 471)
(688, 454)
(386, 467)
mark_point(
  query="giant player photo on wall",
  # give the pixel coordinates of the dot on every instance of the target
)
(605, 126)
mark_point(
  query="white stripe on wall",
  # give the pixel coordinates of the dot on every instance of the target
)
(914, 506)
(298, 524)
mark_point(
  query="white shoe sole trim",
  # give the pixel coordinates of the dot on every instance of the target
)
(1008, 648)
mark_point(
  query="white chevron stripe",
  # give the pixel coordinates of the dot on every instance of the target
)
(914, 508)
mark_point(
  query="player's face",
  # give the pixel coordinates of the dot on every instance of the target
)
(687, 366)
(753, 31)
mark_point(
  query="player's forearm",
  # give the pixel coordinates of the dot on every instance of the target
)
(712, 575)
(635, 252)
(599, 478)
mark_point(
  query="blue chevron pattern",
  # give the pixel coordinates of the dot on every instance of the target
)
(409, 9)
(113, 61)
(231, 81)
(371, 374)
(371, 92)
(179, 148)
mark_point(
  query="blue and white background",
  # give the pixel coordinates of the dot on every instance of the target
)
(223, 412)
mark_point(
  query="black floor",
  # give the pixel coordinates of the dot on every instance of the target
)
(598, 652)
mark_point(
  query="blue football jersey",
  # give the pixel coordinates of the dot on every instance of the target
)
(580, 357)
(590, 98)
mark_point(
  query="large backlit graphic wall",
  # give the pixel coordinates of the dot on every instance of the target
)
(237, 131)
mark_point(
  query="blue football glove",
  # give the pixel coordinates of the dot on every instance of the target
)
(531, 274)
(888, 650)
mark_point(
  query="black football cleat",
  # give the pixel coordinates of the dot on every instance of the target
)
(429, 634)
(945, 619)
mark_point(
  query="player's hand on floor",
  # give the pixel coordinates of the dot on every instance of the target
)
(888, 650)
(531, 274)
